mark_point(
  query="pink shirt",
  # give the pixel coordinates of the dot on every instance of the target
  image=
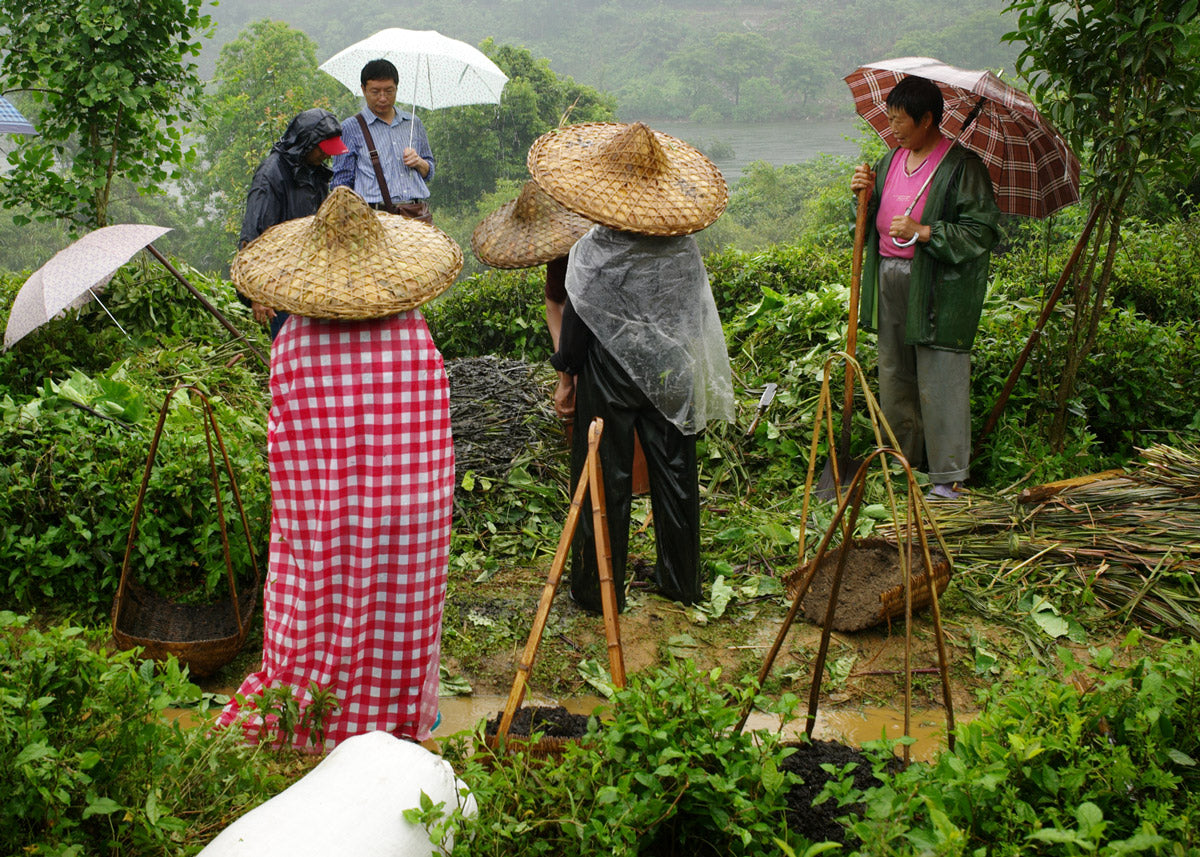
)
(899, 188)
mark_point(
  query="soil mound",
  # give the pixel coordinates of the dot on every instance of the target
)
(552, 722)
(819, 822)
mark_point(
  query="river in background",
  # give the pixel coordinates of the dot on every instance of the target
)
(778, 143)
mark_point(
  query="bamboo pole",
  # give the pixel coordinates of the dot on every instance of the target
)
(517, 694)
(608, 589)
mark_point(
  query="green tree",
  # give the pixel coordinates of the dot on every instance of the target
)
(1118, 77)
(479, 145)
(738, 57)
(113, 82)
(263, 78)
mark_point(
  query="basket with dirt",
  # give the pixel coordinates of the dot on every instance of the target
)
(555, 727)
(872, 588)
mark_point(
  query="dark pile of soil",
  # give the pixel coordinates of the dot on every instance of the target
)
(872, 568)
(554, 722)
(819, 823)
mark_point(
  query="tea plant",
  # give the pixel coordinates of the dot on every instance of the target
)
(1104, 762)
(89, 762)
(661, 773)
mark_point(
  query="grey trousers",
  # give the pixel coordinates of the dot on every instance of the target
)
(925, 392)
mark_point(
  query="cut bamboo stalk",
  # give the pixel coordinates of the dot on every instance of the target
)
(608, 589)
(589, 481)
(517, 695)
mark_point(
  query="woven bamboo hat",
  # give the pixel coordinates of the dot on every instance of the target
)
(347, 261)
(530, 230)
(629, 177)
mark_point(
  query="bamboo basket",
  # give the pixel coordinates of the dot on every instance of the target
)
(891, 599)
(204, 637)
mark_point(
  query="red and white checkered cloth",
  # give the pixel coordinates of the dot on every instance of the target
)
(362, 482)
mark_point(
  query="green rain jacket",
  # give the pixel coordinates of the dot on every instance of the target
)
(950, 273)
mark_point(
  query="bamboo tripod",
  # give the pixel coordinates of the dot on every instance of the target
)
(591, 481)
(918, 523)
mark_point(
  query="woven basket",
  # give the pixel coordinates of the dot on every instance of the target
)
(888, 598)
(204, 637)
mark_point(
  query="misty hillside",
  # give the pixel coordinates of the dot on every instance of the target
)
(701, 59)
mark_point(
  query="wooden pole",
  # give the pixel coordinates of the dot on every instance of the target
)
(608, 589)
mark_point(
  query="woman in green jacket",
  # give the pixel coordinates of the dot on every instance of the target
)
(924, 281)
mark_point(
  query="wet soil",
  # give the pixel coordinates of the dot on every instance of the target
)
(551, 721)
(819, 821)
(872, 573)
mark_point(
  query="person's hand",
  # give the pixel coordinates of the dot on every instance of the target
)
(863, 177)
(414, 161)
(564, 397)
(262, 314)
(903, 228)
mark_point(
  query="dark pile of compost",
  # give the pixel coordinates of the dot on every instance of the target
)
(551, 722)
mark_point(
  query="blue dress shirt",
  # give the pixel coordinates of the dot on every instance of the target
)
(354, 169)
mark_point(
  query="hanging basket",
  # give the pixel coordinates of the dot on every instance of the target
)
(873, 591)
(204, 637)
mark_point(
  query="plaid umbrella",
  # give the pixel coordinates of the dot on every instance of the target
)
(1034, 173)
(11, 120)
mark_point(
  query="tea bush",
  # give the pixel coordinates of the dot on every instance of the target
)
(1104, 762)
(497, 312)
(664, 774)
(90, 764)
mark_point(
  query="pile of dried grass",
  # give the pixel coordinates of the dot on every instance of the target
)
(1132, 542)
(499, 409)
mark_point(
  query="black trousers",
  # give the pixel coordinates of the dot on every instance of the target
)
(603, 389)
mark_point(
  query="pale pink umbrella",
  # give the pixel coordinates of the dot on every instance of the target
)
(75, 275)
(78, 272)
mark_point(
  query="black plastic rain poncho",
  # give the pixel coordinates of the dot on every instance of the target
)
(284, 186)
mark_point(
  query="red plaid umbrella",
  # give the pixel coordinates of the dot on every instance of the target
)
(1034, 173)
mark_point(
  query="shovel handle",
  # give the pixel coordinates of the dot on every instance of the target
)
(856, 265)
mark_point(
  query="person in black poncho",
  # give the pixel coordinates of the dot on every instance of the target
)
(292, 181)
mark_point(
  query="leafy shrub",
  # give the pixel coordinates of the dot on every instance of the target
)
(73, 460)
(1157, 271)
(1105, 762)
(666, 774)
(89, 764)
(498, 312)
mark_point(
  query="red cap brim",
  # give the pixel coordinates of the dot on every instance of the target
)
(333, 146)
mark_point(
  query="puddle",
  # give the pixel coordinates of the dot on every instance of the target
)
(850, 726)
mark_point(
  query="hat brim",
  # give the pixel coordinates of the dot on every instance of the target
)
(530, 230)
(582, 167)
(333, 146)
(347, 262)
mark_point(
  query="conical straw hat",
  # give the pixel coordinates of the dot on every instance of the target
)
(530, 230)
(347, 261)
(629, 177)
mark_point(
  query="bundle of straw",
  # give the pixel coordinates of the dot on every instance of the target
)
(1133, 543)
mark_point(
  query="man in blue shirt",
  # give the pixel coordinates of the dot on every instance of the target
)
(399, 137)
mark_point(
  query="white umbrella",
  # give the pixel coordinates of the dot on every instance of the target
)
(74, 275)
(444, 72)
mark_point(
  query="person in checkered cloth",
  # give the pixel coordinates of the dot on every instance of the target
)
(362, 473)
(933, 225)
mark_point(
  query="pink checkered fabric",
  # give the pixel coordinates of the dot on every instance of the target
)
(1034, 173)
(362, 481)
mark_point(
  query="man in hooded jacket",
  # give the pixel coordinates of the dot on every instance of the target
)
(292, 181)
